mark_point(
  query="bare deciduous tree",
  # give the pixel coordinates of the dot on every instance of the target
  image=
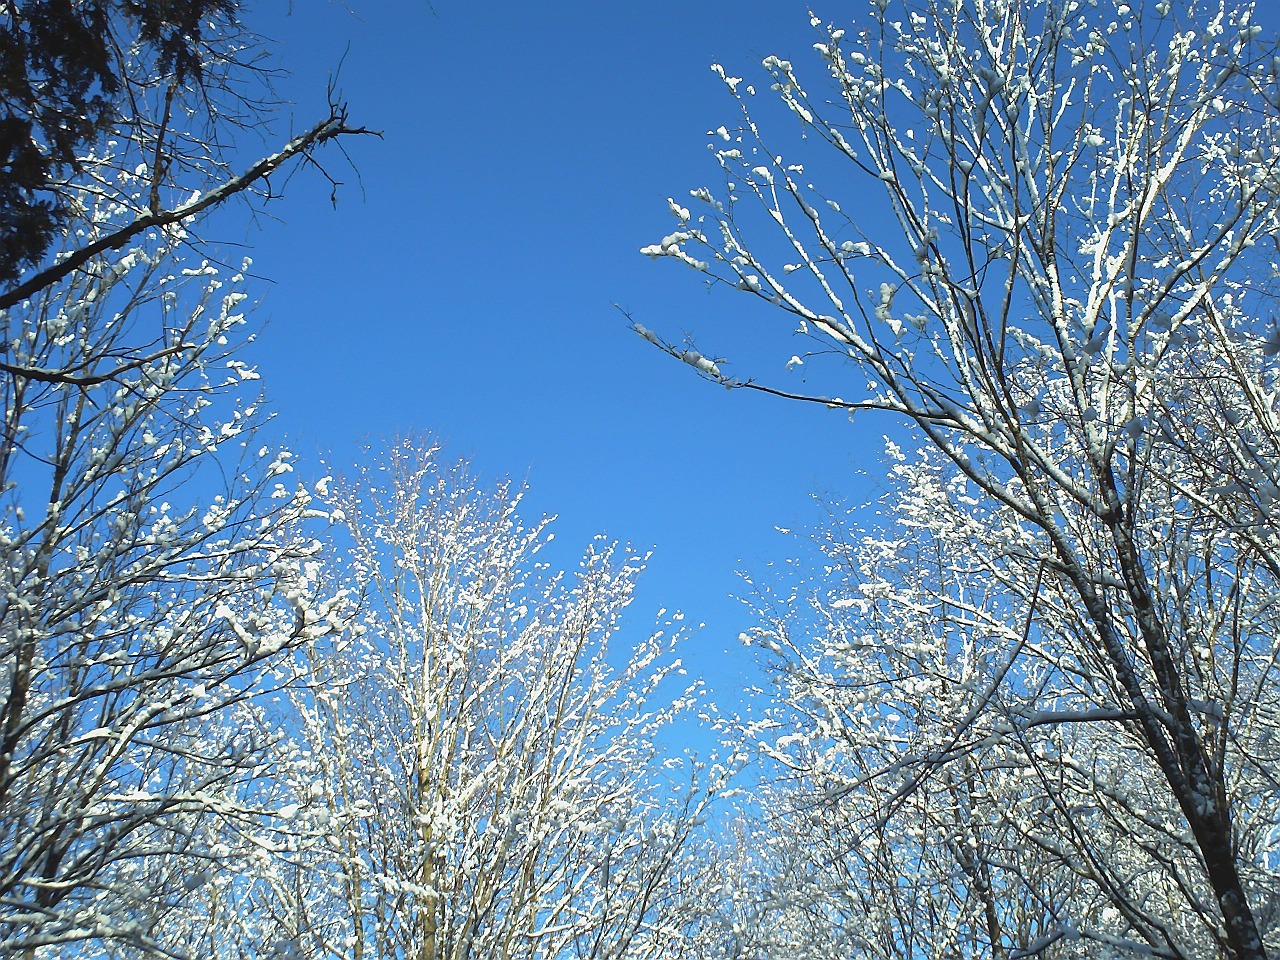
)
(155, 563)
(1054, 260)
(149, 584)
(476, 772)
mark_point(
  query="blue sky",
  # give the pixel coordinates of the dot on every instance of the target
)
(465, 285)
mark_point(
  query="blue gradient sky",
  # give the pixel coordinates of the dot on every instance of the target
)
(465, 286)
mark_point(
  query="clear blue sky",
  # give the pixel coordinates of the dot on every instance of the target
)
(465, 286)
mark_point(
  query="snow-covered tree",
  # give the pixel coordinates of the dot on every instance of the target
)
(475, 772)
(1049, 683)
(962, 779)
(155, 567)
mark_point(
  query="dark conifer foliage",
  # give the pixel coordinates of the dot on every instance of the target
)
(62, 80)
